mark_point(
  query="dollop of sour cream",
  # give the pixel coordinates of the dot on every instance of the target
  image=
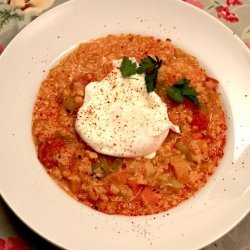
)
(119, 118)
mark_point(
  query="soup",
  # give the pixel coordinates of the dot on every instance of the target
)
(131, 185)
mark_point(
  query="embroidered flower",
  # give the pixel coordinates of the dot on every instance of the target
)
(234, 2)
(31, 6)
(13, 244)
(225, 13)
(247, 42)
(195, 3)
(2, 244)
(1, 51)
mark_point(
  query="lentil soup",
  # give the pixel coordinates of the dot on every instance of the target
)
(129, 186)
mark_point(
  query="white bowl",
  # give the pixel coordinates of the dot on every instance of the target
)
(48, 210)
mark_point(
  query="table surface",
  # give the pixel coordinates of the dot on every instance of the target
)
(16, 14)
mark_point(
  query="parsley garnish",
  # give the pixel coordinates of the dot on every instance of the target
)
(150, 80)
(128, 68)
(148, 65)
(182, 83)
(179, 90)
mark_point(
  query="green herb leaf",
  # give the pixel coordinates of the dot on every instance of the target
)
(188, 91)
(194, 99)
(151, 74)
(179, 90)
(182, 83)
(147, 63)
(128, 68)
(150, 80)
(175, 94)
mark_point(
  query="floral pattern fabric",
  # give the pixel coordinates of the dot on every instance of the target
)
(16, 14)
(234, 13)
(13, 244)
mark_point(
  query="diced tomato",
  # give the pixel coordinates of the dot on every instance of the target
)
(149, 196)
(49, 150)
(200, 120)
(197, 136)
(211, 83)
(136, 188)
(189, 104)
(144, 193)
(208, 78)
